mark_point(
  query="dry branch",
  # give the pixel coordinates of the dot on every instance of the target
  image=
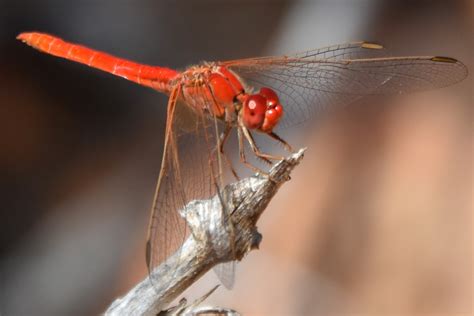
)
(209, 244)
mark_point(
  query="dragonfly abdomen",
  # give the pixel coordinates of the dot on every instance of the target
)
(154, 77)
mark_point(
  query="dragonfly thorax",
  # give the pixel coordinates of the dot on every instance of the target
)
(219, 92)
(211, 89)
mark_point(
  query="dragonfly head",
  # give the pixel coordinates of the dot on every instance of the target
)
(262, 110)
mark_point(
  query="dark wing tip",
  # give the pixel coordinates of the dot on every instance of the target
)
(459, 70)
(444, 59)
(462, 71)
(148, 254)
(370, 45)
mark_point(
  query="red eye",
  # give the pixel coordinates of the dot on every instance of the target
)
(254, 111)
(272, 117)
(270, 95)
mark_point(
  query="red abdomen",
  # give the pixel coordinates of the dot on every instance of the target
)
(157, 78)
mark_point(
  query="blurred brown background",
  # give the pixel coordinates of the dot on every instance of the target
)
(376, 221)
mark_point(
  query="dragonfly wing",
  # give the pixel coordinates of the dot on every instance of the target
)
(184, 176)
(311, 81)
(226, 273)
(190, 171)
(353, 50)
(167, 229)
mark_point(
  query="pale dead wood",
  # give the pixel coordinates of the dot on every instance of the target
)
(209, 243)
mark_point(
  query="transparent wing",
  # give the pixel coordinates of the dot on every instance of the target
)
(190, 171)
(308, 82)
(185, 175)
(226, 273)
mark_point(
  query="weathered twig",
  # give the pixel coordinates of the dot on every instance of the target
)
(210, 242)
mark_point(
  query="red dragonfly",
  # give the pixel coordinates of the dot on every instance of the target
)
(209, 100)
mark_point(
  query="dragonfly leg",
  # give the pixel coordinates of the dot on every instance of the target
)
(222, 140)
(243, 159)
(282, 141)
(256, 150)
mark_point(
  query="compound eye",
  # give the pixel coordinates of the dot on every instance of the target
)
(270, 95)
(254, 111)
(272, 117)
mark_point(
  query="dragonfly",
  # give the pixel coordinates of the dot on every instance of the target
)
(253, 95)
